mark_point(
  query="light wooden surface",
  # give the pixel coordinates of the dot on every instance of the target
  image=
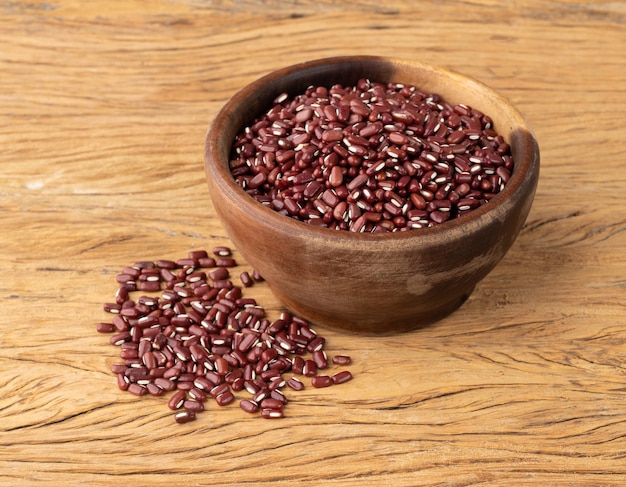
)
(103, 112)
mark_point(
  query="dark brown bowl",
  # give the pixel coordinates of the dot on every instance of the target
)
(373, 283)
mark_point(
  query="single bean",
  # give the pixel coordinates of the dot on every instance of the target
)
(321, 381)
(341, 377)
(248, 406)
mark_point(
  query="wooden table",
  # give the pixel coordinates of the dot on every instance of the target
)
(103, 111)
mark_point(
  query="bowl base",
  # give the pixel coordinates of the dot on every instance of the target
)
(369, 326)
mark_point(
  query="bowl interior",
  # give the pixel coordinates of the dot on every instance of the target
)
(257, 97)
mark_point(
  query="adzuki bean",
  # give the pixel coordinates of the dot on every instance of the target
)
(321, 381)
(342, 360)
(272, 413)
(341, 377)
(185, 417)
(248, 406)
(201, 339)
(364, 158)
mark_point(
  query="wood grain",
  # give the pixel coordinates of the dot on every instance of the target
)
(103, 111)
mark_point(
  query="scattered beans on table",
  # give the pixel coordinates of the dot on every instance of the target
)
(371, 158)
(202, 340)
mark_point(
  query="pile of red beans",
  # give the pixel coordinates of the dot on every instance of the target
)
(192, 333)
(371, 158)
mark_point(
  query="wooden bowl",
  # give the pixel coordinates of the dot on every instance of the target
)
(371, 283)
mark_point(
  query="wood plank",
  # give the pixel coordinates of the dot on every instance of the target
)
(103, 111)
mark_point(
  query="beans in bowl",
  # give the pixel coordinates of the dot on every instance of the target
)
(371, 158)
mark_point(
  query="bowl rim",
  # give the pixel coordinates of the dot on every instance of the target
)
(218, 166)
